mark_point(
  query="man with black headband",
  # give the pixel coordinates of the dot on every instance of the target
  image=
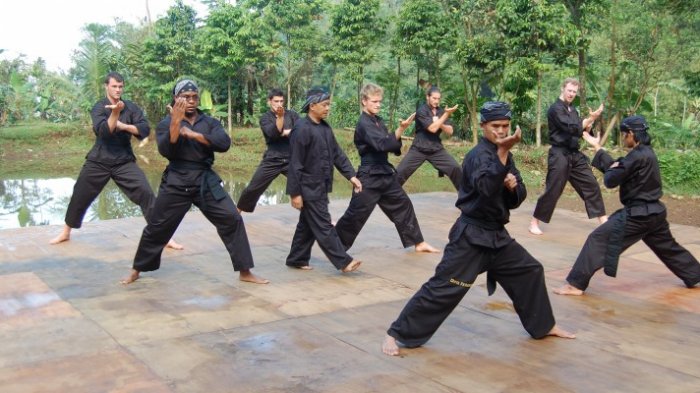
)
(114, 122)
(314, 153)
(565, 162)
(276, 124)
(188, 138)
(643, 216)
(431, 121)
(478, 242)
(380, 185)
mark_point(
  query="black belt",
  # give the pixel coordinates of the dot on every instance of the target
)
(210, 180)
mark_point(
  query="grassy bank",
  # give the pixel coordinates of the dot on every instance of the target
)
(40, 149)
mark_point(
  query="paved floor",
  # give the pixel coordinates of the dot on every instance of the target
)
(66, 325)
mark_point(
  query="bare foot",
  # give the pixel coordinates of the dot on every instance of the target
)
(389, 346)
(425, 247)
(534, 227)
(352, 266)
(247, 276)
(603, 219)
(568, 289)
(305, 267)
(559, 332)
(174, 245)
(133, 276)
(64, 236)
(239, 210)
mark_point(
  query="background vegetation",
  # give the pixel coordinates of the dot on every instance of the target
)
(635, 56)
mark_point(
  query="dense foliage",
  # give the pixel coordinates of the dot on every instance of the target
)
(635, 56)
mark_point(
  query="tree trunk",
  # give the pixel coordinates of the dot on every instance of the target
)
(230, 109)
(582, 77)
(538, 126)
(395, 93)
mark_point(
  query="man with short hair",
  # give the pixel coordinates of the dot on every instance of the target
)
(114, 122)
(431, 121)
(314, 153)
(380, 185)
(478, 242)
(188, 138)
(643, 216)
(565, 162)
(276, 124)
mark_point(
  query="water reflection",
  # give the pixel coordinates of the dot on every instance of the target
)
(30, 202)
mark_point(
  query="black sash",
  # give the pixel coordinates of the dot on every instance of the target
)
(210, 180)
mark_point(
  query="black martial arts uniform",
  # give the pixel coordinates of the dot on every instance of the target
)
(566, 163)
(479, 242)
(428, 146)
(314, 152)
(380, 185)
(643, 217)
(111, 157)
(275, 159)
(189, 179)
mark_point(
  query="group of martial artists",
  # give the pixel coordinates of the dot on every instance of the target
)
(304, 149)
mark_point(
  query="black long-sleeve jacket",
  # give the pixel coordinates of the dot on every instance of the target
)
(374, 142)
(426, 141)
(638, 176)
(115, 147)
(187, 151)
(314, 152)
(484, 200)
(277, 145)
(565, 125)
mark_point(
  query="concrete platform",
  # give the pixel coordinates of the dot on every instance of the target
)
(66, 325)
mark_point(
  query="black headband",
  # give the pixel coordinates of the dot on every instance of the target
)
(185, 85)
(314, 96)
(495, 110)
(634, 123)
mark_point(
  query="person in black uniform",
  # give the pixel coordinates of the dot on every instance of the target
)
(188, 138)
(276, 124)
(565, 162)
(478, 242)
(314, 152)
(431, 121)
(643, 216)
(114, 122)
(379, 181)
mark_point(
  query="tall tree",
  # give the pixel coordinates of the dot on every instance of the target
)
(479, 51)
(96, 56)
(355, 30)
(536, 38)
(221, 48)
(585, 16)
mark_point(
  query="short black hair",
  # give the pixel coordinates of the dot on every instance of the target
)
(114, 75)
(275, 93)
(433, 89)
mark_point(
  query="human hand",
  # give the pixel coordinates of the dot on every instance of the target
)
(116, 108)
(449, 111)
(297, 202)
(507, 142)
(405, 123)
(592, 140)
(356, 184)
(510, 182)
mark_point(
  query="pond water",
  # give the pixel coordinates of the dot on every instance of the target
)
(30, 202)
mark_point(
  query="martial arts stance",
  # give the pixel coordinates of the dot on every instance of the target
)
(114, 122)
(188, 138)
(379, 182)
(643, 216)
(431, 121)
(565, 162)
(314, 153)
(276, 124)
(478, 242)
